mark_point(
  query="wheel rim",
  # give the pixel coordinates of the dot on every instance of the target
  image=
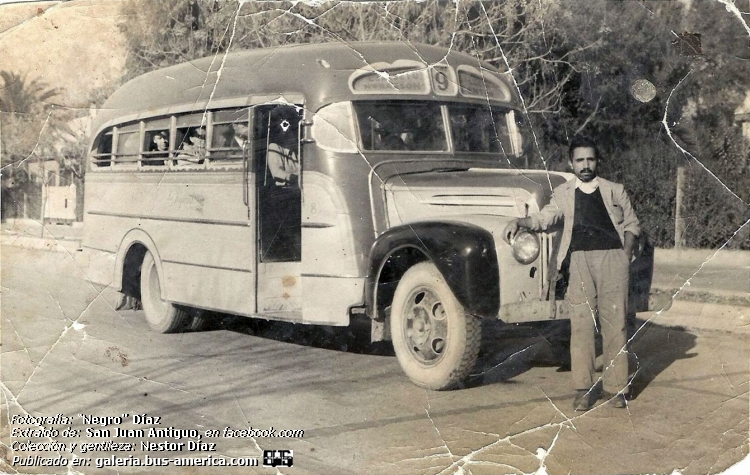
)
(425, 328)
(158, 305)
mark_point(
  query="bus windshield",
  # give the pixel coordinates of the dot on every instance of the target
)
(476, 128)
(419, 126)
(401, 125)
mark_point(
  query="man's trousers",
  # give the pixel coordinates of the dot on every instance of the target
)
(598, 287)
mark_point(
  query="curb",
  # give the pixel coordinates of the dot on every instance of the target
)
(42, 244)
(700, 295)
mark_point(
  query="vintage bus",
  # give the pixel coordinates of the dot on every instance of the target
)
(315, 183)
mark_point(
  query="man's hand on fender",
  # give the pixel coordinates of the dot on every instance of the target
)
(510, 231)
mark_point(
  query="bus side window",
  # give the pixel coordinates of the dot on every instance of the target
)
(128, 146)
(156, 142)
(191, 149)
(102, 150)
(230, 131)
(156, 148)
(190, 140)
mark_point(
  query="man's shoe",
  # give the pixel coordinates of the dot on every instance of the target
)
(618, 400)
(584, 400)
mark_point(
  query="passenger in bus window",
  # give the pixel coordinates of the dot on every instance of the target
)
(241, 134)
(392, 141)
(389, 136)
(159, 143)
(193, 147)
(283, 162)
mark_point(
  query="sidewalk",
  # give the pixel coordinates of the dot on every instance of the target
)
(707, 289)
(702, 316)
(29, 234)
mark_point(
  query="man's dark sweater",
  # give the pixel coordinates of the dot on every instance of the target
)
(592, 228)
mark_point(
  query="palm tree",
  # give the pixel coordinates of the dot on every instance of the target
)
(21, 96)
(24, 107)
(24, 116)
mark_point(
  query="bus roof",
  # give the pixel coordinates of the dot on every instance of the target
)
(321, 72)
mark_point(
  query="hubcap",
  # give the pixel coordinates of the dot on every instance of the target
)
(425, 328)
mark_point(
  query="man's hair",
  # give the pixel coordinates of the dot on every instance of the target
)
(582, 141)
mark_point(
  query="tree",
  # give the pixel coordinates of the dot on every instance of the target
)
(23, 104)
(165, 33)
(612, 44)
(574, 63)
(30, 127)
(20, 96)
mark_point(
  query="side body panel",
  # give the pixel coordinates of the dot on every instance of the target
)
(198, 226)
(331, 281)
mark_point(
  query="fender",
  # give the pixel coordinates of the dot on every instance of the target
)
(136, 236)
(464, 254)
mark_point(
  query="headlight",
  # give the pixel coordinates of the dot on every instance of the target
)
(526, 247)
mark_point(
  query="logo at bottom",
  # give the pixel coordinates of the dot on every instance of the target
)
(276, 458)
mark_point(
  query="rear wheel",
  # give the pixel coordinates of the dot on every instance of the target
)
(199, 320)
(162, 316)
(435, 340)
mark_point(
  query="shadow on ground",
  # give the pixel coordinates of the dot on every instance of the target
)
(354, 338)
(507, 350)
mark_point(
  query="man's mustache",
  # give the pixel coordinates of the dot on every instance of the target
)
(586, 170)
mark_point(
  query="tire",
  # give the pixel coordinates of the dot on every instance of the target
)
(435, 340)
(199, 320)
(161, 315)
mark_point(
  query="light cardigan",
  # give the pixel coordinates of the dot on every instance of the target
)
(562, 206)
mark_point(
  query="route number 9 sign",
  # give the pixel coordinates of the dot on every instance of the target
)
(444, 80)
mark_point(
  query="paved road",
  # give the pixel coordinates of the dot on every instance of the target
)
(710, 278)
(65, 350)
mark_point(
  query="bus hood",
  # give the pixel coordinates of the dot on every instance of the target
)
(465, 194)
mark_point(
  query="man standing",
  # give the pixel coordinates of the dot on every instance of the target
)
(282, 159)
(599, 232)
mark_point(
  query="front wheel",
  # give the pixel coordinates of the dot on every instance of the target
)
(162, 316)
(435, 340)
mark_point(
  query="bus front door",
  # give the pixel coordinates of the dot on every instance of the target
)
(279, 210)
